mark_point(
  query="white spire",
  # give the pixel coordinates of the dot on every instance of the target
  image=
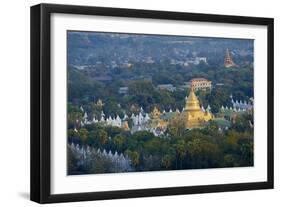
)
(118, 117)
(202, 108)
(102, 119)
(146, 118)
(125, 116)
(85, 115)
(94, 119)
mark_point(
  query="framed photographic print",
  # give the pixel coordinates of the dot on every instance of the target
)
(133, 103)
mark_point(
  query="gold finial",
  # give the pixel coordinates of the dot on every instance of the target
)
(192, 87)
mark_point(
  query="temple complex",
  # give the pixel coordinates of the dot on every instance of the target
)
(192, 116)
(228, 62)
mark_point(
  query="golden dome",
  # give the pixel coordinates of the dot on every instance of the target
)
(192, 102)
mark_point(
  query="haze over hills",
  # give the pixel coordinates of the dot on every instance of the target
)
(87, 48)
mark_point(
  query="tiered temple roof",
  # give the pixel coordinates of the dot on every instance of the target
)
(228, 62)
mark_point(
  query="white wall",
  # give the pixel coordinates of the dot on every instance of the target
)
(14, 102)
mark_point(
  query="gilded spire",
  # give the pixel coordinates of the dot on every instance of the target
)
(192, 102)
(155, 113)
(228, 62)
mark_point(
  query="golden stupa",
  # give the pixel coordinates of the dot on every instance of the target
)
(156, 121)
(155, 113)
(194, 115)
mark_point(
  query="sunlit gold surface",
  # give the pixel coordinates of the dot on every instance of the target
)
(194, 116)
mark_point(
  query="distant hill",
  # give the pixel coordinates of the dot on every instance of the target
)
(86, 48)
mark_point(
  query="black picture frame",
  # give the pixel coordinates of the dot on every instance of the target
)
(41, 98)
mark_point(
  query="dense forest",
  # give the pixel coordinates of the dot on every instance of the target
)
(194, 149)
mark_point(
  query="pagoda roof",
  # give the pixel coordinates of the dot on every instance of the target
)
(198, 79)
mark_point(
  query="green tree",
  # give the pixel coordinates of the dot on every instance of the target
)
(119, 142)
(83, 134)
(176, 126)
(102, 137)
(134, 156)
(167, 161)
(72, 117)
(181, 150)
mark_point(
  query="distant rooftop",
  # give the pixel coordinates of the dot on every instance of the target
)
(168, 87)
(103, 78)
(123, 90)
(199, 79)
